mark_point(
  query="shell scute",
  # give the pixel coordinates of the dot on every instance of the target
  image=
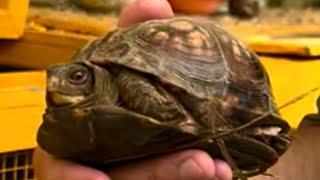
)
(179, 35)
(244, 68)
(200, 58)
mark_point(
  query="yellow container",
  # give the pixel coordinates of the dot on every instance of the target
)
(13, 15)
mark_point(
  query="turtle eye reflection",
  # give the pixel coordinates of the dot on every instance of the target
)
(78, 77)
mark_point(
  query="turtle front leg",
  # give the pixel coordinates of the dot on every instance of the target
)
(146, 97)
(237, 174)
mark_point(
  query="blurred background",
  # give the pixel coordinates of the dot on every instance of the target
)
(35, 34)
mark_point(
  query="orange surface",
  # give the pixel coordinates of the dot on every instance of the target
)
(196, 6)
(41, 49)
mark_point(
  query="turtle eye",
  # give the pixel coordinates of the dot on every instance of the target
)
(78, 77)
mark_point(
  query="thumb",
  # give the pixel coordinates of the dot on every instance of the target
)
(142, 10)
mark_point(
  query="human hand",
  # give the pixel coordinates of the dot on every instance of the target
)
(184, 165)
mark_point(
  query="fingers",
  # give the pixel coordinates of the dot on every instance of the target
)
(223, 170)
(186, 165)
(142, 10)
(49, 168)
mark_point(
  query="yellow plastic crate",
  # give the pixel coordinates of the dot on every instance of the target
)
(12, 18)
(16, 165)
(291, 78)
(22, 103)
(304, 45)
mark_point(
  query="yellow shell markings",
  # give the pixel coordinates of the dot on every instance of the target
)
(239, 49)
(224, 38)
(200, 42)
(236, 51)
(197, 39)
(139, 60)
(229, 101)
(114, 35)
(177, 40)
(194, 43)
(181, 35)
(149, 31)
(160, 37)
(238, 45)
(177, 43)
(182, 25)
(242, 56)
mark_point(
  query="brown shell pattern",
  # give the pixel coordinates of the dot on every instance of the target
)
(196, 56)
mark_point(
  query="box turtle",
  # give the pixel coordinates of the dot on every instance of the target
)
(163, 86)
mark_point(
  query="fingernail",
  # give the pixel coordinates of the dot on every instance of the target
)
(189, 169)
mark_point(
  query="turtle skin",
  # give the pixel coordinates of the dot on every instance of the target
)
(163, 86)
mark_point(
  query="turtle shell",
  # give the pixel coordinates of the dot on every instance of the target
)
(202, 62)
(192, 54)
(200, 58)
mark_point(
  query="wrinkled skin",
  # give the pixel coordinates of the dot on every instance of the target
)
(132, 103)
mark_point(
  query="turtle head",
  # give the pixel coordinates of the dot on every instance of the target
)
(69, 84)
(80, 83)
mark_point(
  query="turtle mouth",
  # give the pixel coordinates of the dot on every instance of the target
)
(59, 99)
(275, 137)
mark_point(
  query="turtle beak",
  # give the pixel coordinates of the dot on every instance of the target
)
(53, 80)
(54, 83)
(59, 99)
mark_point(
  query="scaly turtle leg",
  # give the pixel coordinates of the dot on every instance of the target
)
(141, 95)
